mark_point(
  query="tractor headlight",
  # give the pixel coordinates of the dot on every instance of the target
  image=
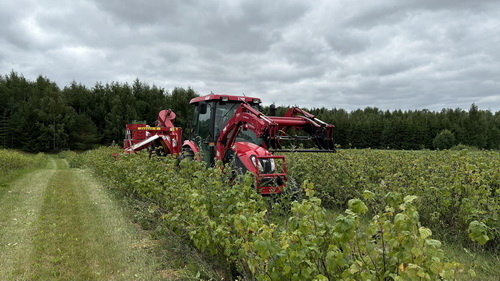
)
(256, 163)
(265, 166)
(269, 166)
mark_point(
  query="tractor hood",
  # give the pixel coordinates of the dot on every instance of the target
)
(259, 161)
(245, 150)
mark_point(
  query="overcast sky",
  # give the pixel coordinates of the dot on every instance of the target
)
(405, 54)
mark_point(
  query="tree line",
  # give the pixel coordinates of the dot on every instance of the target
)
(413, 129)
(39, 116)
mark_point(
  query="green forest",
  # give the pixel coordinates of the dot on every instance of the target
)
(39, 116)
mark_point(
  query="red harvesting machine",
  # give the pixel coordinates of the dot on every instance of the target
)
(233, 130)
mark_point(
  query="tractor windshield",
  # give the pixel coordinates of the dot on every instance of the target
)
(224, 112)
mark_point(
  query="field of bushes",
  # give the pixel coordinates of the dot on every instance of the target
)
(13, 160)
(365, 215)
(454, 188)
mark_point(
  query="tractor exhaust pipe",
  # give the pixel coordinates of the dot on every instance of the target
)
(272, 110)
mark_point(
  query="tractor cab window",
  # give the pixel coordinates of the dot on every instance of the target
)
(201, 121)
(224, 112)
(203, 134)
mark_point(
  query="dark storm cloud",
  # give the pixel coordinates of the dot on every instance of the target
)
(387, 54)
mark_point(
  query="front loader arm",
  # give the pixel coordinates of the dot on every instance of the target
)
(320, 132)
(245, 118)
(273, 129)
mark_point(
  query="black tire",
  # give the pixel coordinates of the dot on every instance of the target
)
(186, 153)
(156, 149)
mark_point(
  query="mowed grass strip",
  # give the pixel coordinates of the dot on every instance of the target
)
(60, 249)
(82, 236)
(132, 248)
(20, 204)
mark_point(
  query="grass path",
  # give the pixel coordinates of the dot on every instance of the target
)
(60, 224)
(20, 208)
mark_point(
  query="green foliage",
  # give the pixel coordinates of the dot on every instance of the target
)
(228, 218)
(82, 132)
(39, 116)
(74, 159)
(460, 146)
(11, 160)
(454, 187)
(409, 130)
(478, 232)
(444, 140)
(178, 101)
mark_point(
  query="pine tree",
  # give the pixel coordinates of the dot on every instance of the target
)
(444, 140)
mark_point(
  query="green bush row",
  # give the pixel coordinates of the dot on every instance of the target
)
(75, 160)
(11, 160)
(454, 188)
(227, 217)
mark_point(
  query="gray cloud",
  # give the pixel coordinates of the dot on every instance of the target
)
(385, 54)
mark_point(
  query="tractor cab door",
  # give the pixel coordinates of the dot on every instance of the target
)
(203, 130)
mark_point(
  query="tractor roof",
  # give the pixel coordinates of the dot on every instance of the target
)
(226, 98)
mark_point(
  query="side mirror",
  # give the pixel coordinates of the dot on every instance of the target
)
(202, 108)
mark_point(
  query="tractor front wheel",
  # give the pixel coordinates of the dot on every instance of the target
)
(186, 153)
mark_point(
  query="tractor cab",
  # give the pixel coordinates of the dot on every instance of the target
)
(211, 115)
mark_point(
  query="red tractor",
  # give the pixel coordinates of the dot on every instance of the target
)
(233, 130)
